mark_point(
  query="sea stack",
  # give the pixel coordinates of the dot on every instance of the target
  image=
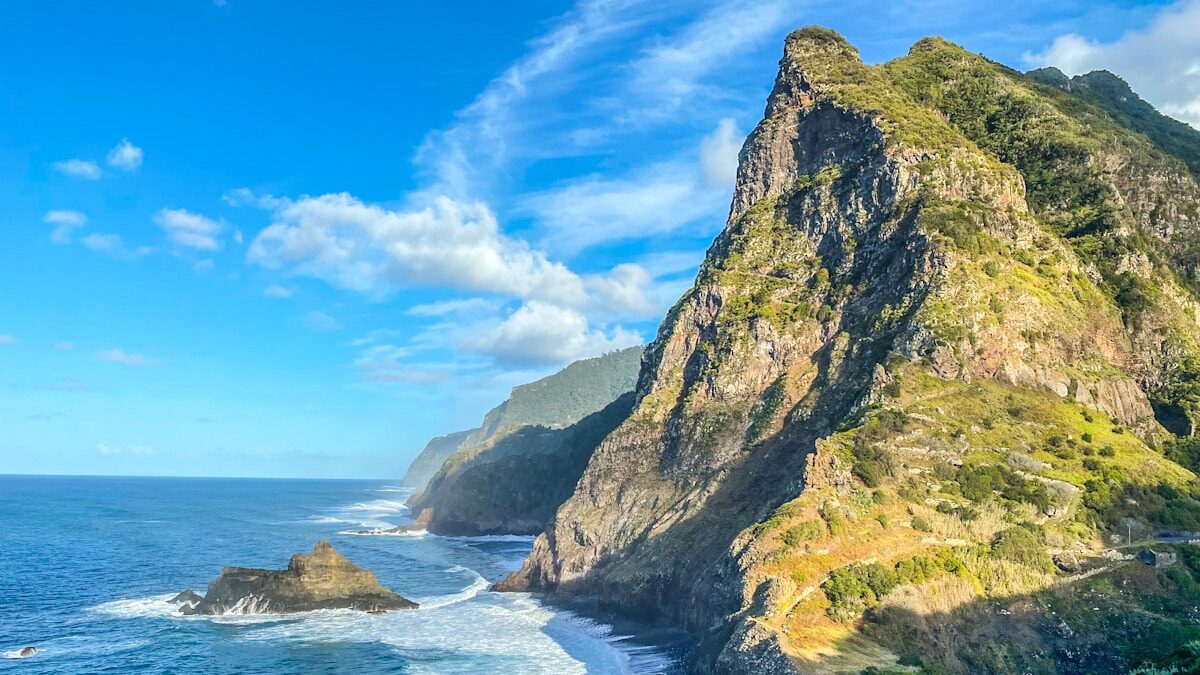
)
(322, 579)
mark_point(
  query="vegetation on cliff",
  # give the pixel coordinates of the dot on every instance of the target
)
(939, 369)
(509, 475)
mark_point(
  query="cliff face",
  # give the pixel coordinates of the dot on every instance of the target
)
(509, 476)
(431, 458)
(515, 485)
(888, 313)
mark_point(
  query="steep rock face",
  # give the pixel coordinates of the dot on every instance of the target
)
(322, 579)
(509, 476)
(867, 230)
(431, 458)
(515, 485)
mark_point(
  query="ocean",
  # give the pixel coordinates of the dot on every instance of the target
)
(88, 563)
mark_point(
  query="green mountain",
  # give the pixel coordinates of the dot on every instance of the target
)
(918, 399)
(1115, 96)
(509, 475)
(432, 455)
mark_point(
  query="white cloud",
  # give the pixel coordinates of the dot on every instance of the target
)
(376, 251)
(648, 201)
(457, 307)
(113, 245)
(116, 355)
(277, 291)
(321, 322)
(8, 340)
(382, 364)
(125, 156)
(541, 334)
(65, 223)
(674, 73)
(204, 266)
(1161, 62)
(65, 346)
(79, 168)
(719, 155)
(189, 229)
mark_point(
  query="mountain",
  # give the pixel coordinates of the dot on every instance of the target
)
(430, 460)
(509, 475)
(917, 394)
(1116, 97)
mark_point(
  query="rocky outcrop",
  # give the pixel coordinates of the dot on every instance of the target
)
(322, 579)
(871, 232)
(188, 597)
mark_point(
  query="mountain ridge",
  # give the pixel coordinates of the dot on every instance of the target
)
(946, 315)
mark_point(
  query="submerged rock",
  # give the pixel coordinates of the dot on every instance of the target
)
(323, 579)
(27, 651)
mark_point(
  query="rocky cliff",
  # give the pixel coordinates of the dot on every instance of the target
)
(925, 354)
(431, 458)
(510, 475)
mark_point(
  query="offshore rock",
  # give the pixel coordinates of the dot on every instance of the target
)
(322, 579)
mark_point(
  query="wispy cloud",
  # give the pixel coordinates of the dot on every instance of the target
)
(6, 339)
(65, 346)
(190, 230)
(114, 245)
(320, 322)
(117, 355)
(68, 384)
(466, 306)
(277, 291)
(125, 156)
(383, 364)
(65, 223)
(108, 449)
(79, 168)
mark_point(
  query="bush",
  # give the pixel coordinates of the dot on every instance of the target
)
(808, 530)
(921, 525)
(1108, 451)
(854, 589)
(1021, 546)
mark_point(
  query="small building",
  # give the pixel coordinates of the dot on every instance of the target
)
(1155, 558)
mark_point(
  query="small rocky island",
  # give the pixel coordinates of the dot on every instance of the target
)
(323, 579)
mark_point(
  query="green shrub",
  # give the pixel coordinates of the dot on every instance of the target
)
(854, 589)
(1019, 545)
(921, 525)
(809, 530)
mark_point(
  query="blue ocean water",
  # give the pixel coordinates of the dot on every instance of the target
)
(87, 564)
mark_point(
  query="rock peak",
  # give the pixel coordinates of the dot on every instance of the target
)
(812, 41)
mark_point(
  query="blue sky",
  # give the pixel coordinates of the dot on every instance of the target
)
(298, 239)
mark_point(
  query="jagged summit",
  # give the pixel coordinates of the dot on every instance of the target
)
(942, 329)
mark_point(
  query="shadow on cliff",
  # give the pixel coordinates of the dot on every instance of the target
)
(515, 486)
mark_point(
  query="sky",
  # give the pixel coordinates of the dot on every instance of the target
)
(249, 238)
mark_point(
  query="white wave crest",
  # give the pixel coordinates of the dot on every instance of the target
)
(523, 538)
(478, 585)
(385, 532)
(378, 505)
(153, 606)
